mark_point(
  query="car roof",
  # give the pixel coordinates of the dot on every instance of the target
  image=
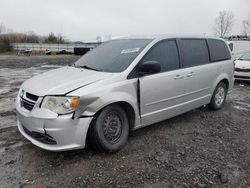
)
(167, 36)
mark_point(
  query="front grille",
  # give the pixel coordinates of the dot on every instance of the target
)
(31, 96)
(28, 100)
(242, 70)
(27, 104)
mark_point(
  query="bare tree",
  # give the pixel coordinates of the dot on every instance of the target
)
(51, 38)
(224, 23)
(60, 39)
(246, 26)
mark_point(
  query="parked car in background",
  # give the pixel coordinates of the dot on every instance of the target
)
(63, 52)
(123, 85)
(242, 67)
(47, 52)
(28, 51)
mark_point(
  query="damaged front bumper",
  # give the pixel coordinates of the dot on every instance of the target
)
(49, 131)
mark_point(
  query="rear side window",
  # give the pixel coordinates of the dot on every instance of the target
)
(166, 53)
(218, 50)
(194, 52)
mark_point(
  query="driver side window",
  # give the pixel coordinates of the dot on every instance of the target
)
(166, 53)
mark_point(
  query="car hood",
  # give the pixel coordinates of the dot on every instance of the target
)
(61, 81)
(242, 64)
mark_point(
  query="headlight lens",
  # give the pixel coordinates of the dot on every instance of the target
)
(60, 104)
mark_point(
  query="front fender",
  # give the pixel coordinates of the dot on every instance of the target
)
(108, 99)
(121, 92)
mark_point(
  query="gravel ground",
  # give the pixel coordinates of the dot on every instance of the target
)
(201, 148)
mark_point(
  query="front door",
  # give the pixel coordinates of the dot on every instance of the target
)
(161, 94)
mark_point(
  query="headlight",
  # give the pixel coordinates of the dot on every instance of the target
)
(60, 104)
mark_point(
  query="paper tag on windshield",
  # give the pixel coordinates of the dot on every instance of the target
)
(131, 50)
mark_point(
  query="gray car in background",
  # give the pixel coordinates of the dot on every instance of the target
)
(123, 85)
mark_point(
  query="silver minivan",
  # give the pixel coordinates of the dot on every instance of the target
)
(123, 85)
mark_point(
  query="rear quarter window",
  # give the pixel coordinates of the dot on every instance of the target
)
(218, 50)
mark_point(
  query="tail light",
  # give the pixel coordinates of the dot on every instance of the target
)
(233, 67)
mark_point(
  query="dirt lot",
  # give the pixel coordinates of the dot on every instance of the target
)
(201, 148)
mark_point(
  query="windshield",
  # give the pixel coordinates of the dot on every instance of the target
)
(245, 57)
(113, 56)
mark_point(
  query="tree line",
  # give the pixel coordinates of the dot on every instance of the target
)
(8, 36)
(29, 37)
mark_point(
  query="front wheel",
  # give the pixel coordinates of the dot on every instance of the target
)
(109, 130)
(219, 97)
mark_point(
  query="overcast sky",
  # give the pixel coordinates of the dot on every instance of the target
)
(86, 19)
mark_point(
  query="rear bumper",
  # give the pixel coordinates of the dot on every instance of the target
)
(54, 134)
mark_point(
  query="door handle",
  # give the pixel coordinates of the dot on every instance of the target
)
(178, 77)
(190, 74)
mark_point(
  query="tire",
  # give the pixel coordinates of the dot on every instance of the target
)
(219, 97)
(109, 129)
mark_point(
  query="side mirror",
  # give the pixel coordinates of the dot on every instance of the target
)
(149, 67)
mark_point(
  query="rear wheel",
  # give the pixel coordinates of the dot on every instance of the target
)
(219, 97)
(109, 130)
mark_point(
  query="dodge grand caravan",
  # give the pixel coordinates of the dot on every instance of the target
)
(120, 86)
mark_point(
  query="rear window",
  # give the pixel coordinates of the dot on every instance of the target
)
(218, 50)
(194, 52)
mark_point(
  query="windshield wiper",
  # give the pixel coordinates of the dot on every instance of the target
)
(87, 67)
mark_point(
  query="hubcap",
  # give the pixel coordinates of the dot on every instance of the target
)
(219, 96)
(112, 127)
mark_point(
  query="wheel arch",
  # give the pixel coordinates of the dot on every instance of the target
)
(225, 81)
(130, 112)
(222, 78)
